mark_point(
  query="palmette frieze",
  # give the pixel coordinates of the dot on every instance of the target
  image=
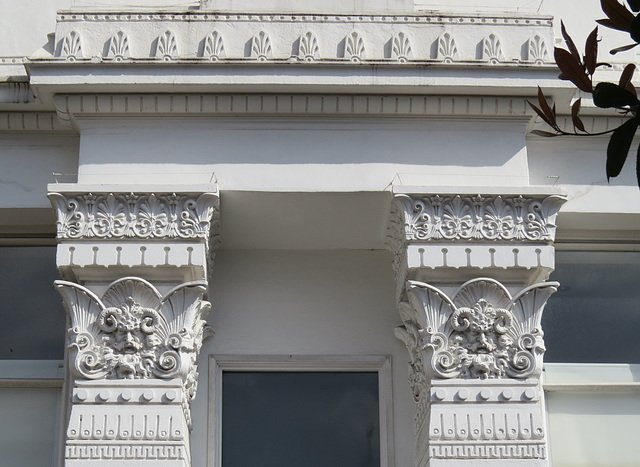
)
(335, 32)
(479, 333)
(131, 215)
(480, 217)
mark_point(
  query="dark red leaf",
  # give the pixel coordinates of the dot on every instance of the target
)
(591, 52)
(618, 14)
(546, 134)
(618, 147)
(626, 77)
(624, 48)
(638, 167)
(544, 106)
(635, 29)
(541, 114)
(567, 38)
(607, 23)
(607, 95)
(575, 110)
(573, 70)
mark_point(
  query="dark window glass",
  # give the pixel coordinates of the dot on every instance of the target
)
(32, 319)
(595, 314)
(300, 419)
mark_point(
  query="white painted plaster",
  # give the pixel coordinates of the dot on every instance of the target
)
(29, 426)
(306, 303)
(29, 162)
(312, 156)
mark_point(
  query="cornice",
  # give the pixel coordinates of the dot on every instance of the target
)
(131, 36)
(70, 107)
(15, 93)
(191, 16)
(31, 121)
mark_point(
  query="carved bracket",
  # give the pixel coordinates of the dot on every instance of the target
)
(136, 216)
(481, 332)
(480, 217)
(133, 332)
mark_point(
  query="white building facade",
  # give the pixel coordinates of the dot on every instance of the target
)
(309, 233)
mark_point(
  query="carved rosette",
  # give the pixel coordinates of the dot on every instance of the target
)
(481, 332)
(133, 332)
(131, 215)
(480, 218)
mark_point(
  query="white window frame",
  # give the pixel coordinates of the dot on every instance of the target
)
(299, 363)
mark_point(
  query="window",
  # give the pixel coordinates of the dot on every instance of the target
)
(32, 320)
(595, 314)
(288, 412)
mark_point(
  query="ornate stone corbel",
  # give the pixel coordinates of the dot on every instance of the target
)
(133, 332)
(481, 332)
(132, 349)
(475, 355)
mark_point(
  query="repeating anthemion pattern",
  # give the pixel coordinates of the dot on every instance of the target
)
(109, 215)
(480, 217)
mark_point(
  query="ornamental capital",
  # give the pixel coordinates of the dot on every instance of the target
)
(132, 332)
(135, 215)
(481, 332)
(476, 217)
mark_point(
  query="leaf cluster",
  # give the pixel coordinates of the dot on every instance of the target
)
(579, 69)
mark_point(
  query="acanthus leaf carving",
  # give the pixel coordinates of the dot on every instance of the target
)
(261, 48)
(537, 50)
(308, 50)
(214, 46)
(119, 46)
(447, 48)
(133, 332)
(131, 215)
(410, 334)
(492, 49)
(71, 48)
(354, 49)
(167, 46)
(401, 47)
(490, 217)
(481, 332)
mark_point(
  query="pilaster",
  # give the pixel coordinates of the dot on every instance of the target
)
(469, 268)
(136, 267)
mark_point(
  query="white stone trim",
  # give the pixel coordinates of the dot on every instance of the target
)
(31, 121)
(204, 16)
(81, 35)
(31, 373)
(15, 93)
(86, 105)
(309, 363)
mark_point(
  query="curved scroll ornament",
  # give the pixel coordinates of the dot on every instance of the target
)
(132, 332)
(481, 332)
(129, 215)
(465, 217)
